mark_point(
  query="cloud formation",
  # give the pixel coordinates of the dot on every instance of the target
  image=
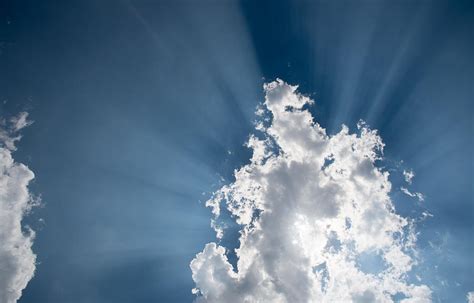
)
(470, 297)
(17, 260)
(317, 223)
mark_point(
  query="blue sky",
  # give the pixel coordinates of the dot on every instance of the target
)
(141, 109)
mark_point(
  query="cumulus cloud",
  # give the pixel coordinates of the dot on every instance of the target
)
(312, 209)
(17, 260)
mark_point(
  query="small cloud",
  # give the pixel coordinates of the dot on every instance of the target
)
(260, 111)
(9, 130)
(20, 121)
(426, 215)
(419, 196)
(408, 174)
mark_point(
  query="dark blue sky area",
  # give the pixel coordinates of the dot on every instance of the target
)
(137, 103)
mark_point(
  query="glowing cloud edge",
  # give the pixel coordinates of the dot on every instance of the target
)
(310, 206)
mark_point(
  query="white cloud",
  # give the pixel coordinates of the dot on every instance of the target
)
(408, 174)
(9, 130)
(309, 205)
(470, 297)
(419, 196)
(20, 121)
(17, 260)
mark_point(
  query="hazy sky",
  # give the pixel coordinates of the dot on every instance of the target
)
(142, 109)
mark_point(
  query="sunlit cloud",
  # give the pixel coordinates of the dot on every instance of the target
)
(316, 220)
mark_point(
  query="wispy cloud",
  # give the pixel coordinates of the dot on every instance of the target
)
(310, 206)
(17, 260)
(419, 196)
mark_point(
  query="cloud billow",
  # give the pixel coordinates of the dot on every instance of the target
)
(310, 208)
(17, 260)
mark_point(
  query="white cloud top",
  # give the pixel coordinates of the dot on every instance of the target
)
(312, 209)
(17, 260)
